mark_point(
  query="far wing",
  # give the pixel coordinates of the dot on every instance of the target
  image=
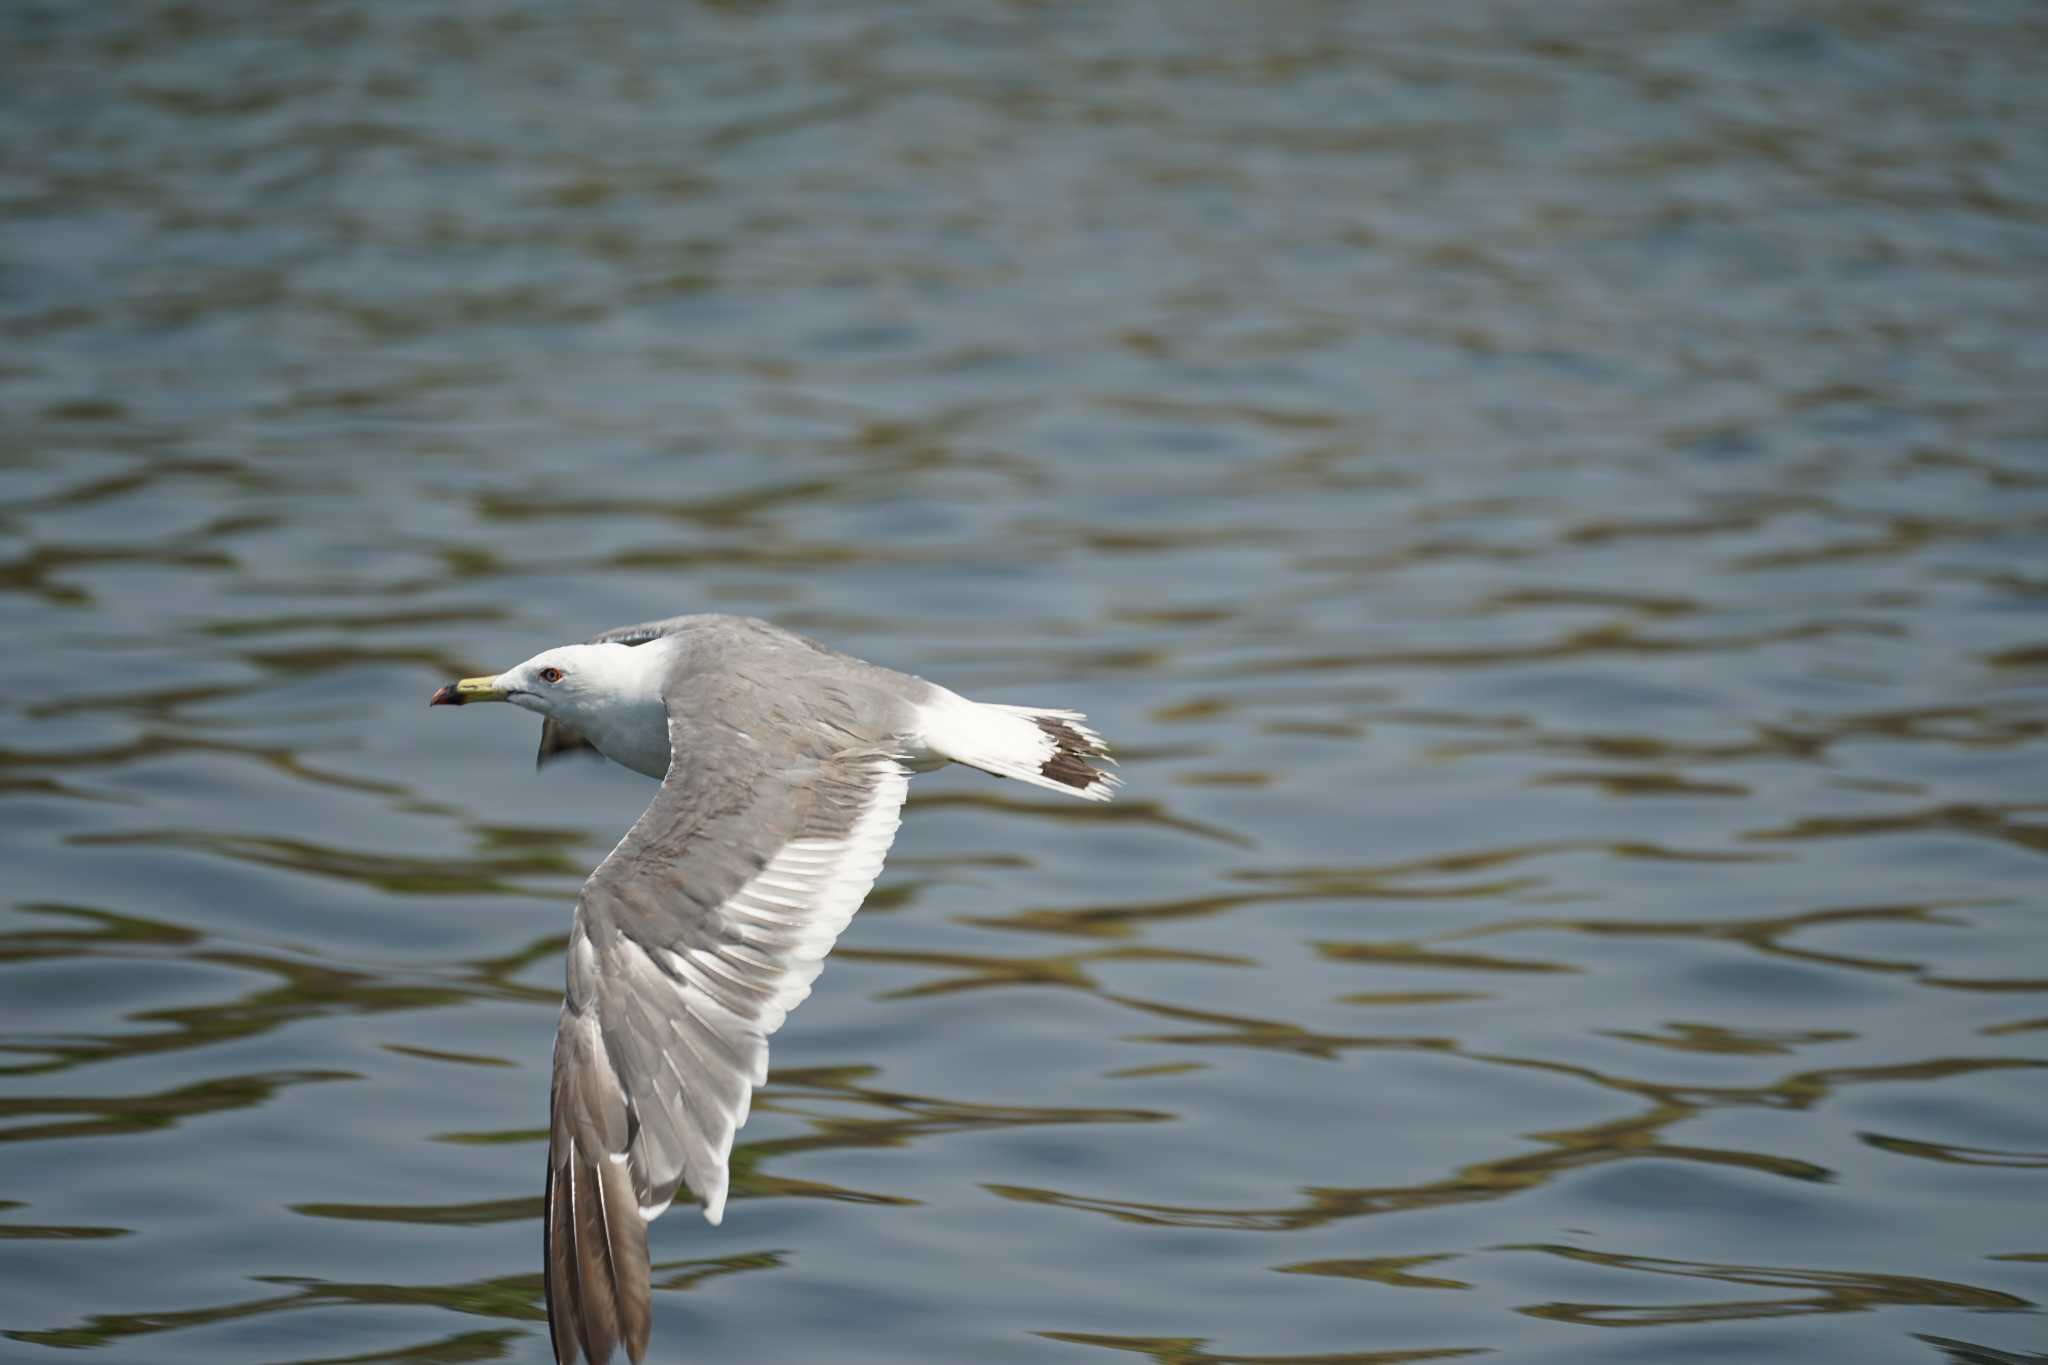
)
(642, 633)
(691, 944)
(557, 739)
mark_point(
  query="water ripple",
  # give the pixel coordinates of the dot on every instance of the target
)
(1549, 514)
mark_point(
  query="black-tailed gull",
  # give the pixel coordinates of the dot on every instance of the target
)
(783, 769)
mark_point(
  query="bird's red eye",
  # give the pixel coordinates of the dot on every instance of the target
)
(553, 675)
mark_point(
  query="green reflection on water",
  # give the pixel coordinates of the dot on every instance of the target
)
(1829, 1291)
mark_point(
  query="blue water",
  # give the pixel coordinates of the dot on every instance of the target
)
(1551, 505)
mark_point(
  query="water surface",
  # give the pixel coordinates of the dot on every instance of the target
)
(1551, 504)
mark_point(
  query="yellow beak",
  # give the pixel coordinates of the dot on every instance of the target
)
(468, 690)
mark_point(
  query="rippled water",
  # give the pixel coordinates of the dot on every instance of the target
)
(1551, 502)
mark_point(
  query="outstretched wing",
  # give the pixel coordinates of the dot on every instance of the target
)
(642, 633)
(691, 944)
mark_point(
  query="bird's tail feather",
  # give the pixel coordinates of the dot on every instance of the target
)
(1051, 749)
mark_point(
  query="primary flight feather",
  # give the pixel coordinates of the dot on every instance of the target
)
(783, 768)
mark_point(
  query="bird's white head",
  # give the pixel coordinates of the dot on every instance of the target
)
(570, 683)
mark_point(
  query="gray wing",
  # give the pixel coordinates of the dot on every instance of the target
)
(557, 739)
(691, 944)
(642, 633)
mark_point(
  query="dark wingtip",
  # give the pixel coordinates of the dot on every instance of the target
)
(445, 696)
(1072, 763)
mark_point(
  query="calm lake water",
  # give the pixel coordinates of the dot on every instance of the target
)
(1551, 503)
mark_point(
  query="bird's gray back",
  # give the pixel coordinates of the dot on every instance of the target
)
(793, 697)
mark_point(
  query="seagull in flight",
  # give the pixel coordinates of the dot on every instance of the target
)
(783, 768)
